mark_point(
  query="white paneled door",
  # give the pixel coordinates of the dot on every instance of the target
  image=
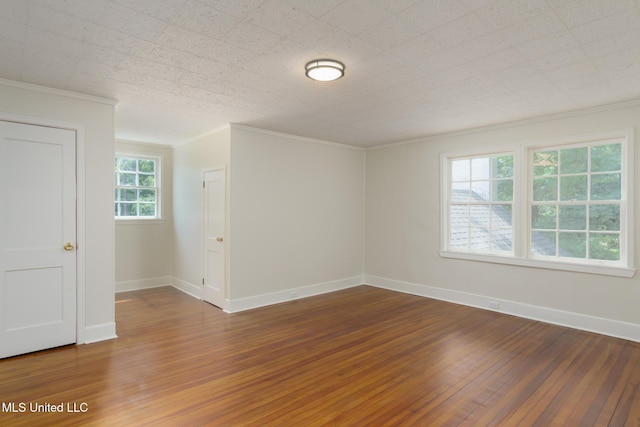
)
(214, 245)
(37, 238)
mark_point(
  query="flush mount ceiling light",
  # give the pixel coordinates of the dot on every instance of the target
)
(324, 70)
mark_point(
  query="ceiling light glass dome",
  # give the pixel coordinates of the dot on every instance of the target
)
(324, 70)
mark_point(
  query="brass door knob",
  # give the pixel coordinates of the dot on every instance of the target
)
(68, 246)
(219, 239)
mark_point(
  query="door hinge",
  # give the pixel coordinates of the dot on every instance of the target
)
(202, 184)
(203, 281)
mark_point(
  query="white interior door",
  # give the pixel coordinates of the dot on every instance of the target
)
(37, 238)
(214, 244)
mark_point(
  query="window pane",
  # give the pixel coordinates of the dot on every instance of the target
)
(147, 195)
(460, 192)
(128, 179)
(459, 238)
(127, 164)
(147, 209)
(572, 217)
(572, 245)
(604, 246)
(460, 170)
(480, 168)
(147, 166)
(503, 190)
(543, 243)
(480, 191)
(604, 217)
(128, 209)
(545, 189)
(543, 217)
(545, 163)
(606, 186)
(502, 239)
(606, 158)
(573, 187)
(479, 239)
(127, 195)
(501, 215)
(574, 160)
(502, 167)
(480, 215)
(146, 180)
(459, 216)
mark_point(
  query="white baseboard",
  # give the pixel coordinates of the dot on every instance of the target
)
(614, 328)
(187, 287)
(95, 333)
(242, 304)
(134, 285)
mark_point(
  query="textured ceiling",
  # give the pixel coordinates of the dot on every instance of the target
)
(414, 68)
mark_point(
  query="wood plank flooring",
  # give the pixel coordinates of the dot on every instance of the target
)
(362, 356)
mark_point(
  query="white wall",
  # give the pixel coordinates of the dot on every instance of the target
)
(190, 160)
(95, 118)
(297, 209)
(403, 233)
(143, 249)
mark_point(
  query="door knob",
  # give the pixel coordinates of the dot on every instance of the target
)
(68, 246)
(219, 239)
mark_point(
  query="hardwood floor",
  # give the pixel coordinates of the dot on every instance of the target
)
(362, 356)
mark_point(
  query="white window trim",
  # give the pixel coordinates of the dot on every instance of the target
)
(158, 219)
(521, 215)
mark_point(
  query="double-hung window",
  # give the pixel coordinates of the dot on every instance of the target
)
(481, 204)
(137, 191)
(562, 205)
(577, 202)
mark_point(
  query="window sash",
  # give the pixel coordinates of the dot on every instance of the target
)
(480, 221)
(583, 248)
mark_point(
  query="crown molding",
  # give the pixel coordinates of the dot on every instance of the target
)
(515, 123)
(201, 135)
(297, 137)
(59, 92)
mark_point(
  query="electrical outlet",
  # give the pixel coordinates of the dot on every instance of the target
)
(494, 305)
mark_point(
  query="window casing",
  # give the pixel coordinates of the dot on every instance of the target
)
(570, 206)
(137, 187)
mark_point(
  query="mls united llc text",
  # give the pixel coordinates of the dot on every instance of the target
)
(22, 407)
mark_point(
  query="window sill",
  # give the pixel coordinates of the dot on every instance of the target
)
(140, 221)
(533, 263)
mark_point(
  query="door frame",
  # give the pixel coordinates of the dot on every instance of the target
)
(80, 204)
(203, 251)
